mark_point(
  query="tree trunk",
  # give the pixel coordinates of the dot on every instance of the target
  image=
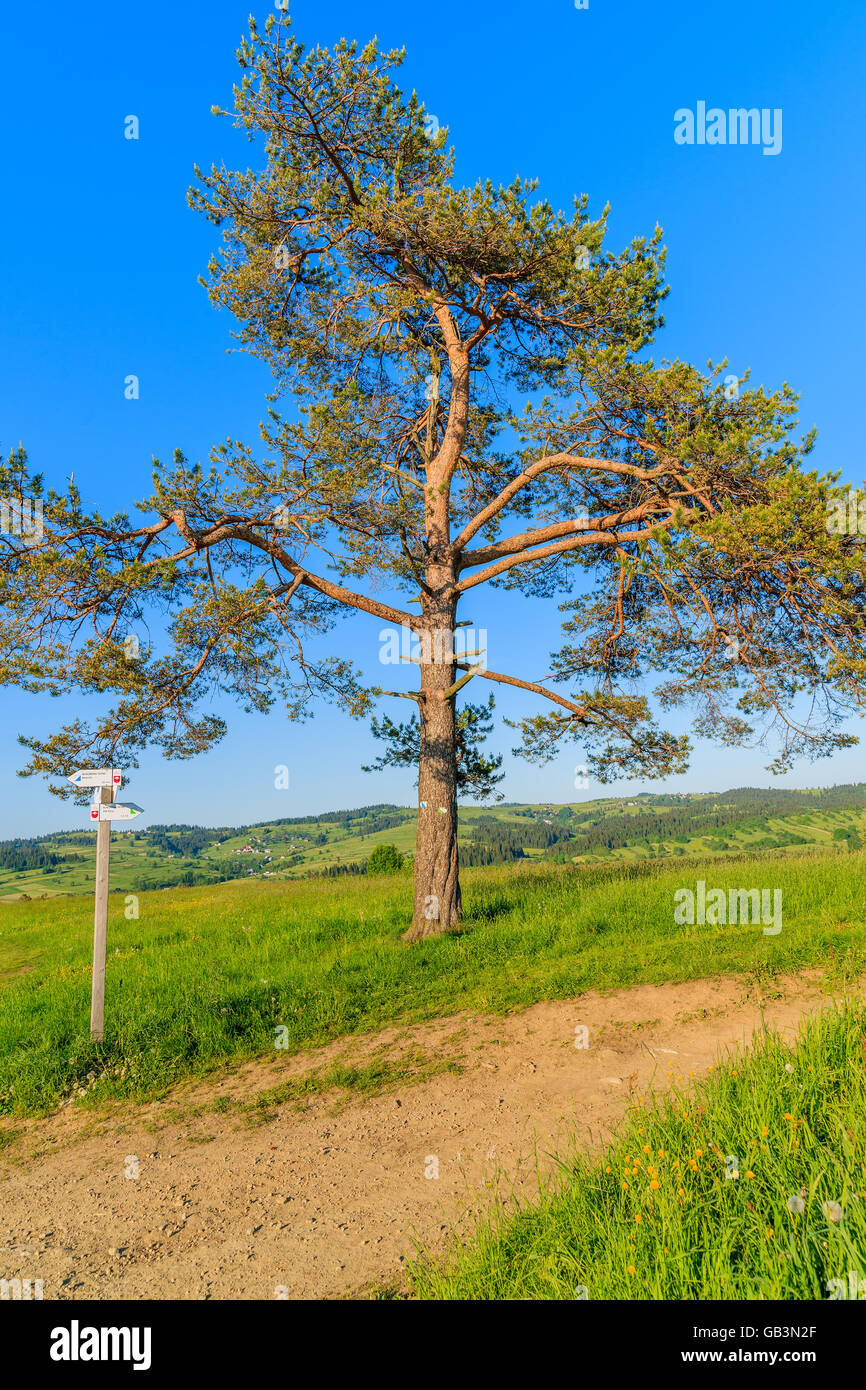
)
(438, 906)
(437, 886)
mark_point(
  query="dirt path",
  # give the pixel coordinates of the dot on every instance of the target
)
(323, 1201)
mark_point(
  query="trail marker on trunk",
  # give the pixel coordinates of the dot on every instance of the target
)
(106, 782)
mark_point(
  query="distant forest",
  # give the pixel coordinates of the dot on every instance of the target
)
(643, 820)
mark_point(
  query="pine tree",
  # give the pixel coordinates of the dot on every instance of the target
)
(472, 403)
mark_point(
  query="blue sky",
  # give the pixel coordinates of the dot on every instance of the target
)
(101, 254)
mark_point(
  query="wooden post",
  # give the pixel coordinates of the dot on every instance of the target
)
(100, 921)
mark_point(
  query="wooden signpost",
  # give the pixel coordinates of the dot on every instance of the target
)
(100, 919)
(106, 782)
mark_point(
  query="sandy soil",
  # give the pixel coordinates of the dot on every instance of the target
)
(327, 1201)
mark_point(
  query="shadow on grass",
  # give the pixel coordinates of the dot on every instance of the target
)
(487, 909)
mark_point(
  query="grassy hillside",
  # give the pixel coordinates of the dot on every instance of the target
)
(206, 975)
(624, 830)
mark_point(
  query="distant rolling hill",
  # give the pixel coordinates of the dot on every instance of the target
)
(626, 828)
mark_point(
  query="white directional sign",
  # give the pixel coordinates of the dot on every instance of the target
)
(115, 810)
(97, 777)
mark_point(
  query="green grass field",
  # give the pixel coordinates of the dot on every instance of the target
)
(752, 1186)
(204, 976)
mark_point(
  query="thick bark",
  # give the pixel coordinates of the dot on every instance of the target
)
(437, 887)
